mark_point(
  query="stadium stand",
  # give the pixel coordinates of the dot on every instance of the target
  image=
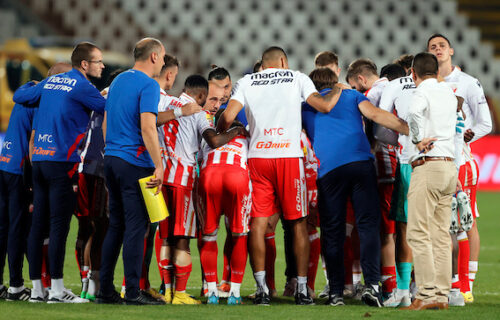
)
(231, 32)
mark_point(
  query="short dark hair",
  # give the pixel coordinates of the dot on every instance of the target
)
(170, 61)
(438, 35)
(361, 66)
(218, 73)
(271, 51)
(325, 58)
(113, 75)
(82, 52)
(392, 71)
(257, 66)
(425, 64)
(145, 47)
(323, 78)
(405, 61)
(195, 81)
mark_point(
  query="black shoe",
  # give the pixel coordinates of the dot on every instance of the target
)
(143, 298)
(335, 300)
(162, 288)
(113, 298)
(262, 299)
(3, 292)
(303, 300)
(371, 297)
(23, 295)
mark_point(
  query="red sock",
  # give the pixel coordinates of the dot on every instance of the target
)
(182, 274)
(463, 262)
(123, 282)
(348, 258)
(313, 258)
(388, 279)
(166, 272)
(228, 249)
(270, 260)
(238, 258)
(45, 267)
(208, 257)
(158, 244)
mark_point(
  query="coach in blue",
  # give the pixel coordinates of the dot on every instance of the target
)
(14, 218)
(132, 152)
(65, 104)
(347, 169)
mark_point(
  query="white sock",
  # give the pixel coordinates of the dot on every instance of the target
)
(93, 283)
(260, 278)
(302, 285)
(235, 289)
(123, 289)
(57, 285)
(1, 286)
(14, 290)
(402, 292)
(212, 288)
(473, 265)
(37, 288)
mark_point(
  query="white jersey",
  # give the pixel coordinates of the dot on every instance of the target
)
(273, 100)
(182, 141)
(475, 106)
(234, 153)
(397, 96)
(375, 92)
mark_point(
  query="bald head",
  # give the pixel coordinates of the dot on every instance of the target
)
(274, 57)
(60, 67)
(145, 47)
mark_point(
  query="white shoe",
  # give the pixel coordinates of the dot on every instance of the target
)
(66, 296)
(466, 219)
(397, 299)
(37, 297)
(325, 293)
(454, 216)
(455, 298)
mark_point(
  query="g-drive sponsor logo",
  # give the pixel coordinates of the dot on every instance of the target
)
(275, 132)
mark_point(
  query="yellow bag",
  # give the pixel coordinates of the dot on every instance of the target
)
(155, 204)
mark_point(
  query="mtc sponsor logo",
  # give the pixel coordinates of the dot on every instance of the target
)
(274, 132)
(7, 145)
(272, 145)
(4, 159)
(45, 138)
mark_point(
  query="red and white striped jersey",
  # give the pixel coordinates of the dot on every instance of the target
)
(234, 153)
(311, 163)
(182, 139)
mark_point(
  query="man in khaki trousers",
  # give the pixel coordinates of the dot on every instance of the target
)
(432, 119)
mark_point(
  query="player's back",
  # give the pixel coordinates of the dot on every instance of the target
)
(272, 100)
(234, 153)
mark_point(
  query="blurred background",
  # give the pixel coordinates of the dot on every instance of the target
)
(233, 33)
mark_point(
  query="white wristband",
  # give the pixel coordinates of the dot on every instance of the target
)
(177, 113)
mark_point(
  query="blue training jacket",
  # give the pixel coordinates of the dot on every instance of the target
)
(66, 101)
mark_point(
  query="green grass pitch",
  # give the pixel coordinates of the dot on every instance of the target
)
(486, 289)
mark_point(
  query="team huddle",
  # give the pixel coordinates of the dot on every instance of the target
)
(333, 163)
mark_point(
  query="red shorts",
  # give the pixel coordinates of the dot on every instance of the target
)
(224, 190)
(279, 179)
(385, 163)
(91, 196)
(312, 197)
(181, 221)
(387, 226)
(468, 176)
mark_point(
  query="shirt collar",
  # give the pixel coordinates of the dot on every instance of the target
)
(187, 97)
